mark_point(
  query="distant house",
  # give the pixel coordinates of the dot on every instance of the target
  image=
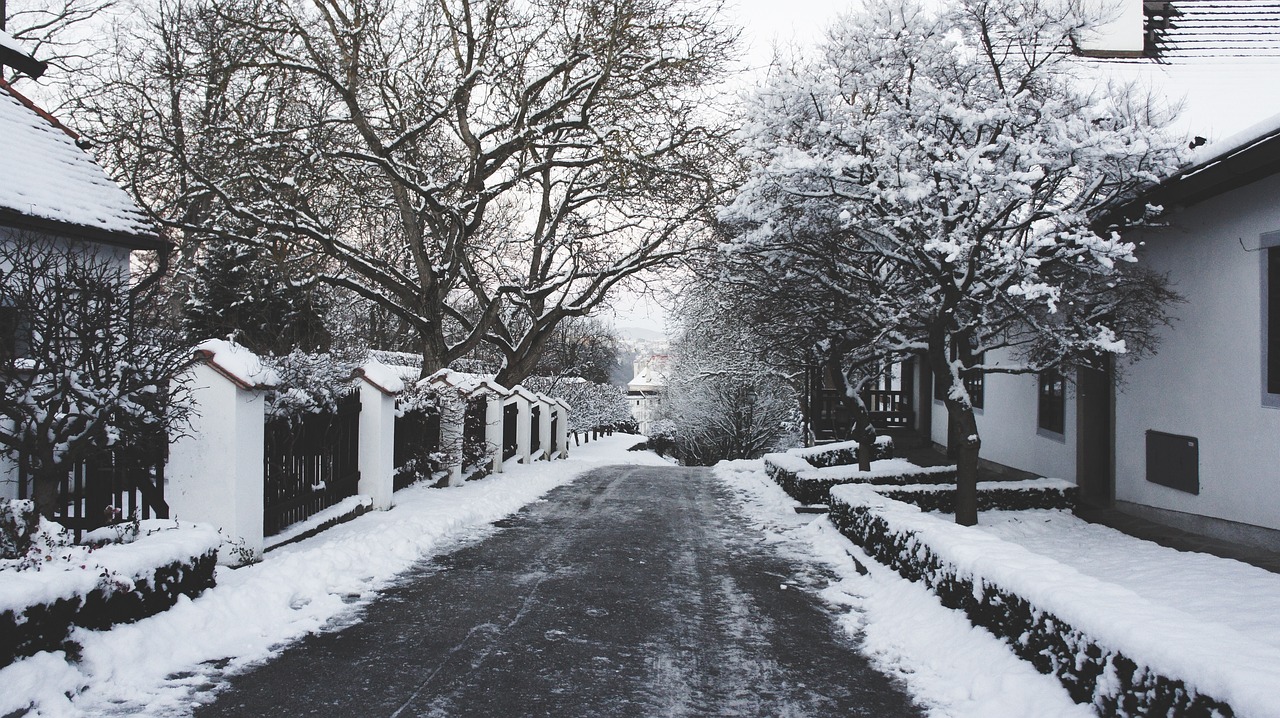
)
(646, 391)
(51, 189)
(1191, 436)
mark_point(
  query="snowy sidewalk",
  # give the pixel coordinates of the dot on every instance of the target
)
(154, 665)
(1211, 589)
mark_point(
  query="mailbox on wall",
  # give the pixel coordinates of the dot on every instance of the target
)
(1174, 461)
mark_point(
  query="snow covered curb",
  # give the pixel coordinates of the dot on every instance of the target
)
(117, 583)
(1108, 646)
(810, 485)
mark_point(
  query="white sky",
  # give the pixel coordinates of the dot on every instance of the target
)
(1221, 97)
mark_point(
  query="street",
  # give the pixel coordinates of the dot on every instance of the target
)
(634, 591)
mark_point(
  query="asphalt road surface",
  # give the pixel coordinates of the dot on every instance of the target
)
(633, 591)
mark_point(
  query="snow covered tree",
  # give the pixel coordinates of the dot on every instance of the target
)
(520, 158)
(580, 347)
(792, 300)
(962, 151)
(730, 395)
(76, 375)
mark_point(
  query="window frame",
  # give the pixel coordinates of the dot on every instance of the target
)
(1269, 326)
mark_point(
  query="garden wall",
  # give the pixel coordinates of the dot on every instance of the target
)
(1109, 647)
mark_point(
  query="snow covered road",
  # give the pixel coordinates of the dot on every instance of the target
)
(631, 592)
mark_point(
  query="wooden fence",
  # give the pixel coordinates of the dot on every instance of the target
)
(120, 483)
(310, 465)
(417, 436)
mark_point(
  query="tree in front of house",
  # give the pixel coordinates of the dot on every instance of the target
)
(76, 376)
(967, 155)
(731, 393)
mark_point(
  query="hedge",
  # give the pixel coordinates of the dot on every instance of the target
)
(103, 599)
(1027, 613)
(810, 485)
(843, 453)
(992, 495)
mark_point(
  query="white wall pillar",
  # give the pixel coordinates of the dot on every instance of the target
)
(493, 430)
(545, 407)
(452, 421)
(377, 444)
(522, 428)
(214, 474)
(562, 427)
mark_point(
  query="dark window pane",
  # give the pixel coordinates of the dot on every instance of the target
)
(1273, 320)
(1053, 405)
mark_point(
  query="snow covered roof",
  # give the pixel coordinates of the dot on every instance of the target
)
(1230, 163)
(48, 183)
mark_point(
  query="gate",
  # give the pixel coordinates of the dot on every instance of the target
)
(535, 435)
(510, 444)
(310, 465)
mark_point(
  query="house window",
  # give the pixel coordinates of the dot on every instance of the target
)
(1271, 315)
(1053, 404)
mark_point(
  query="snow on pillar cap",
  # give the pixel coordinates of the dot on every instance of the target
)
(244, 368)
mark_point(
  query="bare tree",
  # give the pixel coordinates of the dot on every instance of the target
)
(62, 34)
(522, 159)
(76, 375)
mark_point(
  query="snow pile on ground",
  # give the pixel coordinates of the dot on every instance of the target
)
(159, 665)
(1210, 657)
(1243, 597)
(952, 668)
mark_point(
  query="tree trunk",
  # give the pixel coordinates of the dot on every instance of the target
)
(967, 446)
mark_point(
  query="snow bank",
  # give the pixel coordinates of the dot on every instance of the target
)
(158, 666)
(952, 669)
(1108, 645)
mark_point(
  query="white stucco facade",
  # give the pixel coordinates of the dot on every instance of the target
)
(1206, 379)
(1008, 426)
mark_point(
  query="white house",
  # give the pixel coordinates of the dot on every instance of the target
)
(52, 190)
(1191, 436)
(647, 389)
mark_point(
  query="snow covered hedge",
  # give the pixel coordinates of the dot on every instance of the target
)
(58, 586)
(1109, 647)
(810, 485)
(992, 495)
(843, 453)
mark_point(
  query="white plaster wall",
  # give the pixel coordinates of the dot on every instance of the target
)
(1008, 426)
(214, 473)
(377, 446)
(1205, 380)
